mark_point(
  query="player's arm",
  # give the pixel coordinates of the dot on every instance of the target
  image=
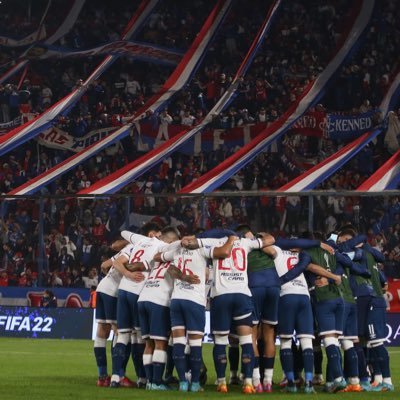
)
(193, 243)
(131, 237)
(119, 265)
(176, 273)
(165, 256)
(225, 250)
(118, 245)
(319, 271)
(266, 239)
(106, 265)
(270, 251)
(299, 268)
(288, 244)
(379, 257)
(349, 245)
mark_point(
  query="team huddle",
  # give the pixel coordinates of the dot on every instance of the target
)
(308, 292)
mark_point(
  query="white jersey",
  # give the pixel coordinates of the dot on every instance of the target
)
(193, 262)
(284, 261)
(157, 288)
(143, 251)
(230, 274)
(110, 283)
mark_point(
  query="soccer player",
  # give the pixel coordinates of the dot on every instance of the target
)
(142, 248)
(350, 329)
(329, 307)
(376, 323)
(295, 312)
(154, 314)
(187, 310)
(231, 293)
(265, 288)
(106, 314)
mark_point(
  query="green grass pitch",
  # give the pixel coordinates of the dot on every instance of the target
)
(65, 369)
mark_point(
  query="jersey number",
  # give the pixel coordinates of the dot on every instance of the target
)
(137, 256)
(185, 270)
(234, 256)
(160, 271)
(291, 262)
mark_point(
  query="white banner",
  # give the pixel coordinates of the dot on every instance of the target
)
(116, 48)
(6, 126)
(58, 139)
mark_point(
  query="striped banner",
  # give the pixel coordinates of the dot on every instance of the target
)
(178, 79)
(62, 30)
(220, 174)
(313, 177)
(329, 166)
(43, 121)
(385, 178)
(120, 178)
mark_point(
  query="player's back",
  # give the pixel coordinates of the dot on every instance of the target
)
(193, 262)
(230, 274)
(143, 251)
(284, 261)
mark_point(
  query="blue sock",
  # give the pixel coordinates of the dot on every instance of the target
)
(362, 364)
(318, 357)
(137, 358)
(308, 362)
(219, 355)
(351, 362)
(169, 368)
(286, 356)
(195, 362)
(101, 360)
(159, 361)
(233, 355)
(148, 370)
(334, 361)
(268, 362)
(382, 357)
(126, 359)
(118, 358)
(179, 357)
(329, 376)
(247, 359)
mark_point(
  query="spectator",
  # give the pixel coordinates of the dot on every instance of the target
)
(49, 300)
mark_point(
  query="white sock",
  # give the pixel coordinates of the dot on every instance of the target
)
(248, 381)
(388, 381)
(378, 378)
(114, 378)
(256, 376)
(354, 380)
(221, 381)
(268, 374)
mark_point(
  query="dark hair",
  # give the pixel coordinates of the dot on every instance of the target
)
(150, 226)
(348, 231)
(170, 230)
(243, 229)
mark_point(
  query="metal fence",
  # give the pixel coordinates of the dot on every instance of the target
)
(30, 225)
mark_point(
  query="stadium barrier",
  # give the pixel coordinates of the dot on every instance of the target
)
(79, 323)
(46, 323)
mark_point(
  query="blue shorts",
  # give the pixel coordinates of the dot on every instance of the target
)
(127, 311)
(228, 310)
(154, 320)
(350, 329)
(376, 320)
(188, 315)
(295, 314)
(106, 308)
(265, 301)
(329, 316)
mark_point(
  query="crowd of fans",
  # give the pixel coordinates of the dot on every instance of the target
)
(77, 233)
